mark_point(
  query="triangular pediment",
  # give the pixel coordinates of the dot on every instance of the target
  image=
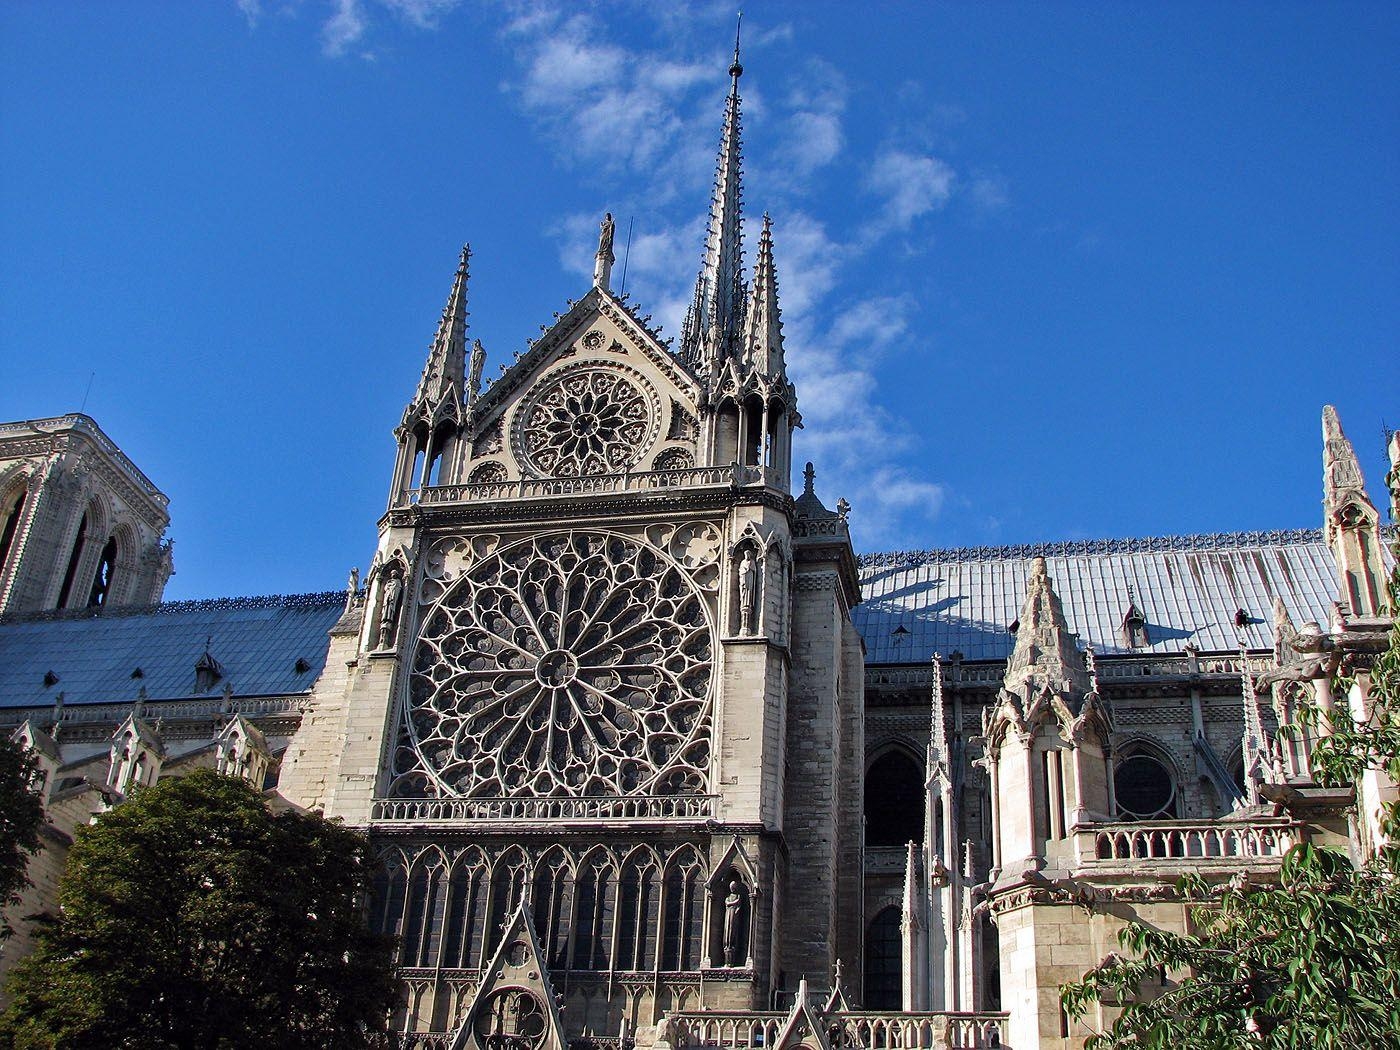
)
(804, 1028)
(598, 393)
(514, 1005)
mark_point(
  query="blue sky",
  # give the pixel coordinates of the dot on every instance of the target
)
(1048, 270)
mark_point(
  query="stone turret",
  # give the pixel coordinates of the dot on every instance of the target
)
(1351, 523)
(430, 431)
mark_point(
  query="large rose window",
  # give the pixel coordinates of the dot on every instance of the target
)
(590, 420)
(574, 663)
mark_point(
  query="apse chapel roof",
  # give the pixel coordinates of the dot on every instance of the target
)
(1188, 589)
(263, 646)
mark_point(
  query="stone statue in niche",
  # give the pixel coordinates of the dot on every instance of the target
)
(747, 576)
(732, 935)
(389, 609)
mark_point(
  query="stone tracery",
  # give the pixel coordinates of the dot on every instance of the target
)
(589, 420)
(574, 664)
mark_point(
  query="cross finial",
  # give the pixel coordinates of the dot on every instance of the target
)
(809, 475)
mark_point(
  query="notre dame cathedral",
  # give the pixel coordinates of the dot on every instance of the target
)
(651, 756)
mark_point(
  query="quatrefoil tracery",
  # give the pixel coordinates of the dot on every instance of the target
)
(567, 664)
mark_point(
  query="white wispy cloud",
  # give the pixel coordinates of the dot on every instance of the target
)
(812, 135)
(344, 28)
(909, 185)
(988, 192)
(251, 10)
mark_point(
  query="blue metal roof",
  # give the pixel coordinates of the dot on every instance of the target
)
(917, 603)
(256, 641)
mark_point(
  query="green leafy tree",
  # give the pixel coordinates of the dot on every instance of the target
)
(1311, 962)
(21, 816)
(193, 916)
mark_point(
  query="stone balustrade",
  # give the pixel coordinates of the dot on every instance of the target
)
(1182, 842)
(853, 1030)
(733, 476)
(413, 811)
(167, 710)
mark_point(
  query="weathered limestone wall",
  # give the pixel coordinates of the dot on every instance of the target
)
(813, 766)
(1044, 946)
(311, 765)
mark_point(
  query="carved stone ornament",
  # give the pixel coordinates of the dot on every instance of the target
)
(585, 420)
(568, 664)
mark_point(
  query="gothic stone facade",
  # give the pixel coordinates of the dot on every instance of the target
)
(649, 756)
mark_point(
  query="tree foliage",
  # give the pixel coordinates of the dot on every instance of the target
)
(21, 816)
(1311, 962)
(194, 917)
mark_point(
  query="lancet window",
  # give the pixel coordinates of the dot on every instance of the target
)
(894, 801)
(884, 981)
(11, 511)
(641, 912)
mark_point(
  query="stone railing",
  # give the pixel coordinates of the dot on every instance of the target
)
(1110, 666)
(538, 810)
(1178, 842)
(166, 710)
(443, 1041)
(733, 476)
(422, 1041)
(886, 860)
(855, 1030)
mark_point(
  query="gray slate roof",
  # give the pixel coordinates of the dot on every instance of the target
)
(257, 642)
(1188, 587)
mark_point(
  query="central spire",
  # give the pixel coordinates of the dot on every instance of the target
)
(716, 313)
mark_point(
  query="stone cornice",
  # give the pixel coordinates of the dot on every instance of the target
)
(590, 507)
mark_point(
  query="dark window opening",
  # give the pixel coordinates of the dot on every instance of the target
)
(1144, 788)
(894, 802)
(73, 560)
(11, 526)
(102, 578)
(884, 974)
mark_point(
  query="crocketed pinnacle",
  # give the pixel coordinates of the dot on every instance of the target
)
(763, 330)
(1045, 655)
(1341, 472)
(444, 371)
(712, 324)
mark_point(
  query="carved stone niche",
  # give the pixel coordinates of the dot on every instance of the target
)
(732, 914)
(746, 570)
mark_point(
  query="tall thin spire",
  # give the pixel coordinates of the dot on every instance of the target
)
(447, 356)
(716, 313)
(763, 329)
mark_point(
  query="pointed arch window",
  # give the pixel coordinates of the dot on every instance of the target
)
(466, 916)
(12, 512)
(71, 572)
(102, 578)
(507, 889)
(637, 914)
(593, 929)
(894, 801)
(683, 932)
(553, 901)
